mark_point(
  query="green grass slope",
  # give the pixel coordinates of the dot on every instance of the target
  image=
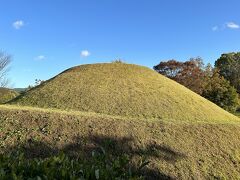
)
(175, 149)
(124, 90)
(7, 95)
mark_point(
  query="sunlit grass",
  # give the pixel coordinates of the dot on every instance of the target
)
(144, 114)
(180, 149)
(7, 95)
(122, 90)
(93, 114)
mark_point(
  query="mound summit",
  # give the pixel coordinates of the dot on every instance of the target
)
(123, 90)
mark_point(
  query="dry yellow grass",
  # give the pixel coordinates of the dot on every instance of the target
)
(123, 90)
(7, 95)
(176, 149)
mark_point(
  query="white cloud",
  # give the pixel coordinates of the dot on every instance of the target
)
(232, 25)
(85, 53)
(18, 24)
(40, 57)
(215, 28)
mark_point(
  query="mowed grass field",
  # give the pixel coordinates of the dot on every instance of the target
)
(175, 149)
(124, 109)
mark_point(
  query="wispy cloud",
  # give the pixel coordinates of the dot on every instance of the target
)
(215, 28)
(85, 53)
(18, 24)
(40, 57)
(228, 25)
(232, 25)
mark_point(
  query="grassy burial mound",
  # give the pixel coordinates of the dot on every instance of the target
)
(7, 95)
(123, 90)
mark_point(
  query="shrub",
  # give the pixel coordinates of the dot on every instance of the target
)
(100, 166)
(118, 61)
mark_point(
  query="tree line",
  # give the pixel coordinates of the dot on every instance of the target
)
(219, 84)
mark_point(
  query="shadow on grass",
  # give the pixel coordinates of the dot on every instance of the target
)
(114, 146)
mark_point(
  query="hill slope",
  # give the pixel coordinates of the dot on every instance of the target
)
(178, 150)
(124, 90)
(7, 95)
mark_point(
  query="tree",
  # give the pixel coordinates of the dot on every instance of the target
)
(169, 68)
(191, 73)
(219, 91)
(5, 60)
(38, 82)
(201, 79)
(229, 68)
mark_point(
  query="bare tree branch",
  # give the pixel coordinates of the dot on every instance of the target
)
(5, 60)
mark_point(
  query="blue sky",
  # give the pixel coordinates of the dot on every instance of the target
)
(46, 37)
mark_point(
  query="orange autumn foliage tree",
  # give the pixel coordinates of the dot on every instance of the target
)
(191, 73)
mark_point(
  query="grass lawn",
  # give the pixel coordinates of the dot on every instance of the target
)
(182, 150)
(7, 95)
(121, 110)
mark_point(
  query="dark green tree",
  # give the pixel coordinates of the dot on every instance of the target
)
(229, 68)
(219, 91)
